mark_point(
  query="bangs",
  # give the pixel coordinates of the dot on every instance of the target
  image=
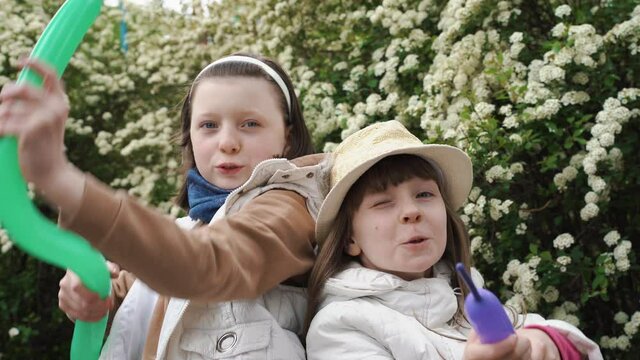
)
(392, 171)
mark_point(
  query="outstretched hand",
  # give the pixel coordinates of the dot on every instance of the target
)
(36, 118)
(526, 344)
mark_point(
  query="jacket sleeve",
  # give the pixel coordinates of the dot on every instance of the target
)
(240, 256)
(332, 338)
(582, 343)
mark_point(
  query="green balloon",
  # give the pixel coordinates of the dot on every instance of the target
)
(27, 228)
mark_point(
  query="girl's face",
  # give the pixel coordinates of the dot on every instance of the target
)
(402, 230)
(236, 123)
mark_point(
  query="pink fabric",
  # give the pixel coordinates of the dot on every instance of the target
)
(567, 350)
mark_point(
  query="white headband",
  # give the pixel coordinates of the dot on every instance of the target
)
(246, 59)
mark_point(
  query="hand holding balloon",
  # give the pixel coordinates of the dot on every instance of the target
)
(23, 114)
(485, 312)
(80, 303)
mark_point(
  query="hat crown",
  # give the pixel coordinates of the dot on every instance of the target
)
(369, 143)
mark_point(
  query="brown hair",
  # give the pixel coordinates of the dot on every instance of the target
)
(298, 140)
(390, 171)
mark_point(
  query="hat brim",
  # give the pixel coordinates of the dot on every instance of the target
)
(454, 164)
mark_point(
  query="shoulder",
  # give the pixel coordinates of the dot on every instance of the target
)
(355, 314)
(309, 181)
(309, 160)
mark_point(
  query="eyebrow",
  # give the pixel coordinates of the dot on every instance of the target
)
(241, 113)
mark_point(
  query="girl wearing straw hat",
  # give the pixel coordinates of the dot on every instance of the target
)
(383, 285)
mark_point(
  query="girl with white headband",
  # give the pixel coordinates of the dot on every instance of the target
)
(228, 278)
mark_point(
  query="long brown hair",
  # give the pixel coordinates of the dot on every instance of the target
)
(298, 139)
(390, 171)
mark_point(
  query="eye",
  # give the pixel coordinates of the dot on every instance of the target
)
(381, 203)
(208, 125)
(424, 194)
(250, 124)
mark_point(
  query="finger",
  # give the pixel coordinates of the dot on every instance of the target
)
(15, 92)
(86, 316)
(89, 297)
(49, 75)
(114, 269)
(502, 349)
(473, 337)
(522, 348)
(7, 87)
(10, 124)
(82, 312)
(76, 290)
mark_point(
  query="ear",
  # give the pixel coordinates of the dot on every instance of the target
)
(352, 248)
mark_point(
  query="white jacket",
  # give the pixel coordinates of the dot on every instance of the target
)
(368, 314)
(263, 328)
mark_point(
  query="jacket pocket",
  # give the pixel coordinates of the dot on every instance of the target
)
(244, 341)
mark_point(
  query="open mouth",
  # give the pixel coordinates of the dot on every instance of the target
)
(416, 240)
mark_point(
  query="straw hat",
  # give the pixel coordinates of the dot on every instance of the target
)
(363, 149)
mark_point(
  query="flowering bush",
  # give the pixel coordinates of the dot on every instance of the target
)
(543, 95)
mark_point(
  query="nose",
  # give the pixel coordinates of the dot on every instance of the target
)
(411, 214)
(229, 141)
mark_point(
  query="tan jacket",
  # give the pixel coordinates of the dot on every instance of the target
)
(240, 256)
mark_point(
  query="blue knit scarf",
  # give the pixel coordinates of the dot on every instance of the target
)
(204, 197)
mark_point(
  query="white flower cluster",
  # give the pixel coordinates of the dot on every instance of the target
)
(523, 277)
(475, 209)
(482, 248)
(497, 172)
(550, 73)
(586, 43)
(609, 123)
(563, 241)
(563, 11)
(545, 111)
(627, 32)
(523, 212)
(550, 294)
(521, 229)
(498, 207)
(78, 126)
(563, 261)
(410, 62)
(631, 327)
(611, 238)
(574, 98)
(13, 332)
(621, 255)
(566, 313)
(621, 342)
(5, 243)
(393, 16)
(453, 18)
(506, 11)
(450, 76)
(567, 175)
(516, 45)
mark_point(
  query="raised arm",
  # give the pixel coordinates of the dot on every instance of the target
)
(241, 256)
